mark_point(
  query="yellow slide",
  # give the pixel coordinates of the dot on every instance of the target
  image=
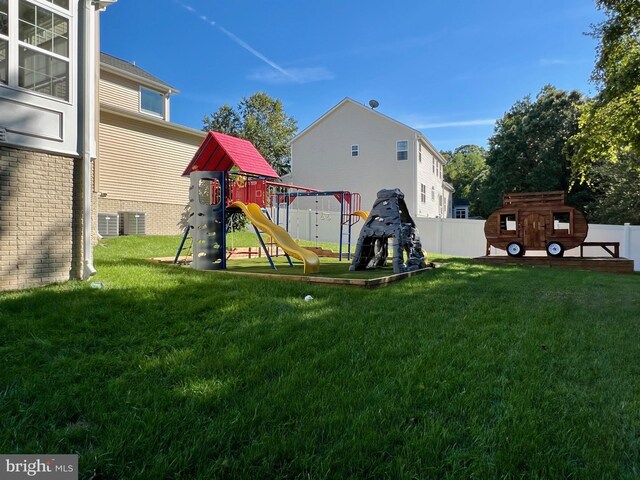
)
(362, 214)
(280, 236)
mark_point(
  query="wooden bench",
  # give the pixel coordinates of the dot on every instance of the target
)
(605, 246)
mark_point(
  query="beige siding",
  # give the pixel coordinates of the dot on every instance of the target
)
(119, 92)
(432, 181)
(321, 158)
(142, 162)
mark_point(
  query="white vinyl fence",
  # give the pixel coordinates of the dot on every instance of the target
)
(453, 236)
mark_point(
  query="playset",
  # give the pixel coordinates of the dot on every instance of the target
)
(228, 174)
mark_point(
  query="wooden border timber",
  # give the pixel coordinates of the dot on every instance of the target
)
(351, 282)
(596, 264)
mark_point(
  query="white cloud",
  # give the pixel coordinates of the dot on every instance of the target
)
(460, 123)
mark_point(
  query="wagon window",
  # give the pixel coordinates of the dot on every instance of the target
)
(562, 222)
(508, 222)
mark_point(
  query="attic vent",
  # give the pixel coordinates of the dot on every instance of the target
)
(108, 224)
(3, 134)
(132, 223)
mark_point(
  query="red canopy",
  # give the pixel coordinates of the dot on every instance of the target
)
(220, 152)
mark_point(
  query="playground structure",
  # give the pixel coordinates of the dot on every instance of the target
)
(389, 218)
(229, 175)
(536, 221)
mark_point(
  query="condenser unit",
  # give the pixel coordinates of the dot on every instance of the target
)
(132, 223)
(108, 224)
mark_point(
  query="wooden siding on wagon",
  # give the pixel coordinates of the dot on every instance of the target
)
(142, 162)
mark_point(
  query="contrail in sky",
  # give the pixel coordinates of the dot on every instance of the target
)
(238, 41)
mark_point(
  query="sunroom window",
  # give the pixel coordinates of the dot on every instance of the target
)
(4, 43)
(43, 56)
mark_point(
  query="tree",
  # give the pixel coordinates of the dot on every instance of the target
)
(261, 120)
(527, 152)
(465, 169)
(606, 151)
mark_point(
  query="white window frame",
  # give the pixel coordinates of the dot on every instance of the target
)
(419, 152)
(162, 115)
(355, 150)
(423, 193)
(15, 45)
(404, 150)
(460, 212)
(433, 193)
(52, 125)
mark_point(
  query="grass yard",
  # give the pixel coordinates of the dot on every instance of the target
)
(465, 371)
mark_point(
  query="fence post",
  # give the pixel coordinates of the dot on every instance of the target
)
(439, 235)
(626, 245)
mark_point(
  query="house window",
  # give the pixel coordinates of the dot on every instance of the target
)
(433, 193)
(43, 59)
(60, 3)
(460, 212)
(355, 150)
(151, 102)
(423, 193)
(402, 150)
(508, 222)
(3, 61)
(420, 152)
(4, 43)
(562, 222)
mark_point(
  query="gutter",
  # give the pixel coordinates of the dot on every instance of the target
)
(87, 106)
(87, 139)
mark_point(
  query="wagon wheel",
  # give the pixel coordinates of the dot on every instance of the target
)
(555, 249)
(515, 249)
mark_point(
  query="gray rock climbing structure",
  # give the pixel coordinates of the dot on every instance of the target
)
(389, 218)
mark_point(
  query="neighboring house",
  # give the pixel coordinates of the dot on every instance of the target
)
(47, 139)
(141, 154)
(355, 148)
(460, 208)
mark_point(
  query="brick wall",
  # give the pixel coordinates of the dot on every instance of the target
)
(161, 218)
(40, 220)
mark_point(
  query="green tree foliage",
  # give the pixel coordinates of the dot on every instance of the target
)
(606, 151)
(261, 120)
(466, 169)
(527, 152)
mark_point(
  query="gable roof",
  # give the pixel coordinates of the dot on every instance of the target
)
(117, 65)
(220, 152)
(371, 111)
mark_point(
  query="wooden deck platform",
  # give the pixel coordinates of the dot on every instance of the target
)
(598, 264)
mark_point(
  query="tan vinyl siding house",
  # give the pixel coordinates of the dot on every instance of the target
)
(355, 148)
(141, 155)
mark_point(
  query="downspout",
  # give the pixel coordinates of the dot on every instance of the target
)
(88, 147)
(415, 175)
(88, 104)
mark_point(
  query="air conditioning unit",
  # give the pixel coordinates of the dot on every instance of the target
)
(132, 223)
(109, 224)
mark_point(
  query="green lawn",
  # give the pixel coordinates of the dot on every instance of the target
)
(465, 371)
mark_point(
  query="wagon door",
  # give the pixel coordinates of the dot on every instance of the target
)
(534, 231)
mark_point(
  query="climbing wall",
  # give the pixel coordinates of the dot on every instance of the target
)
(389, 220)
(206, 220)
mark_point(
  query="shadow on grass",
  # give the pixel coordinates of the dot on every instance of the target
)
(182, 374)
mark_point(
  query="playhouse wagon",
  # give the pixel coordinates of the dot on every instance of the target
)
(536, 221)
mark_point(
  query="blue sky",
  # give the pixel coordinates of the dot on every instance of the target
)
(447, 68)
